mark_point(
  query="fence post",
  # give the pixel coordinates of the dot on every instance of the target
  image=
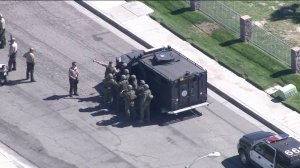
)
(245, 27)
(195, 4)
(295, 59)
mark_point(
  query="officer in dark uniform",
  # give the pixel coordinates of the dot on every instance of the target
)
(110, 86)
(129, 97)
(146, 97)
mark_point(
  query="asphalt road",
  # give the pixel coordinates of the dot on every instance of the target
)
(40, 122)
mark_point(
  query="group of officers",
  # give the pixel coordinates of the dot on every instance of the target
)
(12, 53)
(124, 92)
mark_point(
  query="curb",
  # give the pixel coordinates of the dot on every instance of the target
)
(210, 86)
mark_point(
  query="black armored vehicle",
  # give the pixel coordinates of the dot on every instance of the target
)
(177, 83)
(269, 150)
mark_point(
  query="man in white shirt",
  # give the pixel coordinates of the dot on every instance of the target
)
(2, 32)
(13, 48)
(73, 79)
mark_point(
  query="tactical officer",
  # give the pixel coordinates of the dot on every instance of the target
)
(121, 71)
(129, 97)
(30, 61)
(133, 82)
(12, 54)
(140, 89)
(2, 32)
(126, 73)
(109, 68)
(73, 79)
(122, 86)
(146, 97)
(110, 86)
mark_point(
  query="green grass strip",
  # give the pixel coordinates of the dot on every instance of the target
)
(246, 60)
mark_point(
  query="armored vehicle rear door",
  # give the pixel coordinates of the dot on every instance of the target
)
(188, 90)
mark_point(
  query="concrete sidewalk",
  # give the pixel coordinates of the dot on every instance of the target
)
(11, 159)
(132, 18)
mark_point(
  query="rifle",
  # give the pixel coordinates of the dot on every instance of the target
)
(100, 63)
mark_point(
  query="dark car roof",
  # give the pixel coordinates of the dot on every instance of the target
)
(172, 70)
(252, 137)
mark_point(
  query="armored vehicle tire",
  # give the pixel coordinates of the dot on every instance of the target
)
(244, 157)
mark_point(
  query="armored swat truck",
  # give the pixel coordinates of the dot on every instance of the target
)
(177, 83)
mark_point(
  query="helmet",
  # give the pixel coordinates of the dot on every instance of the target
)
(109, 76)
(123, 77)
(133, 77)
(126, 71)
(142, 82)
(146, 86)
(124, 65)
(110, 62)
(129, 87)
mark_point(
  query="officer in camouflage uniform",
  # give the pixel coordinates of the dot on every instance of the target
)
(126, 73)
(146, 98)
(121, 71)
(139, 90)
(122, 86)
(110, 86)
(109, 68)
(133, 82)
(129, 97)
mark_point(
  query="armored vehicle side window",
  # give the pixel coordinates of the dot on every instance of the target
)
(265, 151)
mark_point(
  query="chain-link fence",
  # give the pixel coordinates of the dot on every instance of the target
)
(261, 38)
(222, 14)
(271, 44)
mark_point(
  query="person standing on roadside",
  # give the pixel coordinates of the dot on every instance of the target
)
(12, 54)
(2, 32)
(30, 62)
(73, 79)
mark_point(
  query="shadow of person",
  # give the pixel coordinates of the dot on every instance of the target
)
(56, 97)
(119, 120)
(16, 82)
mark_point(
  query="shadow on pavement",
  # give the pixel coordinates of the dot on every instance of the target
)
(16, 82)
(120, 120)
(56, 97)
(234, 162)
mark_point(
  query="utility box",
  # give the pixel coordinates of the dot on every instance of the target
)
(287, 91)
